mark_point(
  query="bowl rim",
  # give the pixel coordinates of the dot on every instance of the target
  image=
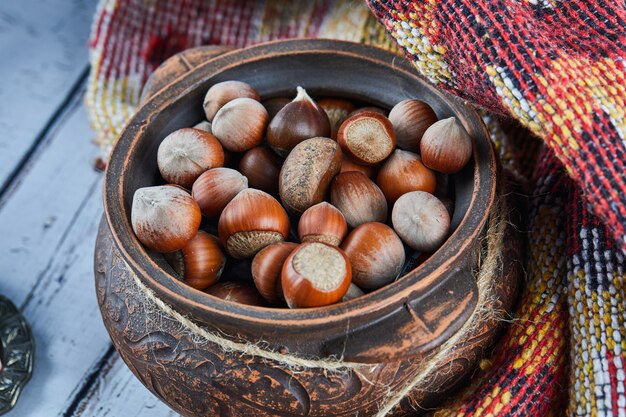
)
(381, 300)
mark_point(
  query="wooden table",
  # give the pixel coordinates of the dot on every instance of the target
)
(50, 205)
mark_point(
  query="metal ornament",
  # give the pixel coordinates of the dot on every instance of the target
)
(17, 352)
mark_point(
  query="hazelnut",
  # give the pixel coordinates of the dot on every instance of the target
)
(337, 111)
(237, 292)
(240, 124)
(404, 172)
(215, 188)
(262, 167)
(410, 119)
(307, 172)
(367, 137)
(358, 198)
(376, 254)
(315, 274)
(221, 93)
(421, 221)
(299, 120)
(369, 109)
(322, 223)
(348, 165)
(446, 147)
(267, 266)
(205, 126)
(250, 222)
(352, 293)
(203, 261)
(164, 218)
(186, 153)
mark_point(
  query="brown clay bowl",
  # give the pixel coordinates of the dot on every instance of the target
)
(392, 327)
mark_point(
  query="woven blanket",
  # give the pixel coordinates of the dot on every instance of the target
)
(549, 76)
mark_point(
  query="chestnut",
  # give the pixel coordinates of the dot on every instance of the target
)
(322, 223)
(267, 266)
(262, 167)
(274, 105)
(337, 111)
(421, 220)
(315, 274)
(376, 254)
(307, 172)
(240, 124)
(237, 292)
(446, 146)
(250, 222)
(221, 93)
(164, 218)
(358, 198)
(215, 188)
(203, 261)
(368, 137)
(186, 153)
(410, 119)
(299, 120)
(404, 172)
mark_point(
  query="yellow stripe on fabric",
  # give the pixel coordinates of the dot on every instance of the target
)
(345, 20)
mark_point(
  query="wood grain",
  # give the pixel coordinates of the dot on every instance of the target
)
(48, 224)
(44, 45)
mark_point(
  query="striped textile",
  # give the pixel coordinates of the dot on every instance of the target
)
(547, 69)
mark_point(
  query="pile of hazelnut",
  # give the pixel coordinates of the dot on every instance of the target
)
(328, 169)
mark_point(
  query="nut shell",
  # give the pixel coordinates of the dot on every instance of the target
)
(237, 292)
(368, 137)
(267, 266)
(240, 124)
(262, 168)
(186, 153)
(307, 172)
(322, 223)
(215, 188)
(299, 120)
(250, 222)
(203, 260)
(314, 275)
(446, 146)
(358, 198)
(337, 111)
(410, 119)
(164, 218)
(421, 220)
(376, 254)
(348, 165)
(404, 172)
(221, 93)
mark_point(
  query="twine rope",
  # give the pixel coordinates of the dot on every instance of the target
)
(488, 262)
